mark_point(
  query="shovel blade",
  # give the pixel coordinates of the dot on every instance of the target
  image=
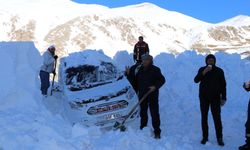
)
(117, 125)
(123, 128)
(120, 126)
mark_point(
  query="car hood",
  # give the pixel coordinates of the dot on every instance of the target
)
(103, 92)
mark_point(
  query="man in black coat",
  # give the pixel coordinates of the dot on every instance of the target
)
(212, 94)
(247, 145)
(147, 77)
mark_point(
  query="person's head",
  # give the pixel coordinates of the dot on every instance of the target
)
(147, 60)
(210, 59)
(140, 38)
(52, 49)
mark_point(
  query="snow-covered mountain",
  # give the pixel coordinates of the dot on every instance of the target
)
(73, 27)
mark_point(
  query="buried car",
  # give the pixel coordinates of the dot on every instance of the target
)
(95, 92)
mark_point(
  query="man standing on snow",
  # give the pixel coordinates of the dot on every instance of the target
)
(212, 94)
(140, 49)
(49, 59)
(247, 145)
(146, 78)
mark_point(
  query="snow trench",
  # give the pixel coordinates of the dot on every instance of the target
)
(28, 122)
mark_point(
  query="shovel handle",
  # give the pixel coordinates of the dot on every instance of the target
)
(53, 81)
(140, 101)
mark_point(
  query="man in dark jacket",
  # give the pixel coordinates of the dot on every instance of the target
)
(140, 49)
(212, 94)
(247, 145)
(147, 77)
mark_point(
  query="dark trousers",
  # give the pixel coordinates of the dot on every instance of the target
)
(205, 104)
(153, 103)
(44, 77)
(248, 126)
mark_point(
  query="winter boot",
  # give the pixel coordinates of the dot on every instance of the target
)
(157, 136)
(220, 142)
(142, 127)
(244, 147)
(204, 141)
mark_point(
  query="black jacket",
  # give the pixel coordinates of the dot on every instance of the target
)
(140, 49)
(146, 77)
(132, 75)
(212, 84)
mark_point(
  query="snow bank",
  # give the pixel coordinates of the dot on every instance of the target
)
(20, 64)
(123, 59)
(179, 103)
(26, 123)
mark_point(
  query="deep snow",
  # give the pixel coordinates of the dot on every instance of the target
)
(27, 122)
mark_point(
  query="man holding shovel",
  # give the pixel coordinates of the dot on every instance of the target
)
(148, 78)
(48, 66)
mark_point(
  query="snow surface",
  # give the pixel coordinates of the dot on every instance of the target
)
(240, 20)
(28, 122)
(93, 57)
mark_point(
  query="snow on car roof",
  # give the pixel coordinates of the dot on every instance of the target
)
(93, 57)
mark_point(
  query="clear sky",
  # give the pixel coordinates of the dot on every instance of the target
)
(212, 11)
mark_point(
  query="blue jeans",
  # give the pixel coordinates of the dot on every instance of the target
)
(44, 77)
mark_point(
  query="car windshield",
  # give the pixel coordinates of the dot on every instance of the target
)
(89, 76)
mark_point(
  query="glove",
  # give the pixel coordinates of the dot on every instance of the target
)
(222, 102)
(54, 72)
(55, 57)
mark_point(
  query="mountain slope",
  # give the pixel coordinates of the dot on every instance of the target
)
(73, 27)
(240, 20)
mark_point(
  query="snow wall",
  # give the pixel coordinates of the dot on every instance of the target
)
(25, 123)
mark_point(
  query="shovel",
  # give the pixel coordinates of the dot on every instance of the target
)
(121, 125)
(53, 81)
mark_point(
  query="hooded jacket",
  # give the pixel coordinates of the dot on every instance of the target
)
(213, 83)
(48, 62)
